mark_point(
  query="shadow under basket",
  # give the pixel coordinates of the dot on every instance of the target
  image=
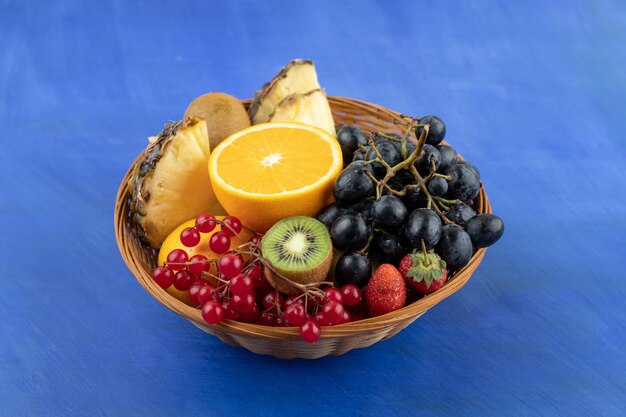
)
(284, 342)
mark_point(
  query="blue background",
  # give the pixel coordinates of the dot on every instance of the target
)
(534, 93)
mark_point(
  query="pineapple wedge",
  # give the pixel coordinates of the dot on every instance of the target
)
(310, 108)
(298, 77)
(171, 182)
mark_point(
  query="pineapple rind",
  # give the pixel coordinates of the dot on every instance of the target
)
(298, 77)
(171, 182)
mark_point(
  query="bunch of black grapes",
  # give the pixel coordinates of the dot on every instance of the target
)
(364, 223)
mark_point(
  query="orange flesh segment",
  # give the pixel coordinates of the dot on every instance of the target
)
(272, 161)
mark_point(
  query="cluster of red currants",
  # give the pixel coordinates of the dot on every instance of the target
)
(242, 292)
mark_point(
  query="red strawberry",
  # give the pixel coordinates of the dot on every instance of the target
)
(426, 272)
(386, 291)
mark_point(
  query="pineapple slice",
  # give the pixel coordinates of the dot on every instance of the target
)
(298, 77)
(171, 182)
(310, 108)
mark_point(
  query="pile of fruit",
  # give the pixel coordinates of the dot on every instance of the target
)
(296, 223)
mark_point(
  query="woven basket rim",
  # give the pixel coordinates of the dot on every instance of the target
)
(193, 314)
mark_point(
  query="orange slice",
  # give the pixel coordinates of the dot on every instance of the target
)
(274, 170)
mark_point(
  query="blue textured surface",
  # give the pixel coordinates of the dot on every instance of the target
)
(532, 93)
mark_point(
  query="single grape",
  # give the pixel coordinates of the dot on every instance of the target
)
(350, 232)
(454, 247)
(389, 153)
(353, 268)
(449, 157)
(183, 280)
(198, 264)
(350, 137)
(406, 149)
(436, 132)
(219, 243)
(351, 294)
(295, 314)
(205, 223)
(359, 155)
(163, 277)
(425, 161)
(422, 224)
(394, 184)
(331, 213)
(465, 184)
(212, 312)
(484, 230)
(363, 165)
(389, 247)
(310, 331)
(405, 177)
(437, 186)
(230, 265)
(175, 259)
(352, 186)
(460, 213)
(190, 237)
(333, 294)
(470, 166)
(412, 199)
(389, 212)
(241, 285)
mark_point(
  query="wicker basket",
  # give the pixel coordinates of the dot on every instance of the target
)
(284, 342)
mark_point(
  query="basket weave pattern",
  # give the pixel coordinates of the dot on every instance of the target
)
(284, 342)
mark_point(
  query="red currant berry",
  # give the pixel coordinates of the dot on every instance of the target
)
(205, 223)
(250, 316)
(243, 303)
(193, 293)
(219, 243)
(255, 239)
(206, 294)
(175, 259)
(310, 331)
(345, 318)
(254, 273)
(212, 312)
(294, 299)
(295, 315)
(230, 265)
(351, 294)
(183, 281)
(229, 312)
(241, 285)
(163, 277)
(190, 237)
(279, 321)
(333, 294)
(321, 320)
(231, 226)
(265, 319)
(271, 299)
(198, 264)
(333, 312)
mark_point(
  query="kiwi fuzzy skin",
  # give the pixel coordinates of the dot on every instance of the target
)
(315, 275)
(224, 115)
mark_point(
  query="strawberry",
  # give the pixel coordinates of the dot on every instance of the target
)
(386, 291)
(424, 271)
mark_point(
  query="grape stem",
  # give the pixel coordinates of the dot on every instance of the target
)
(409, 164)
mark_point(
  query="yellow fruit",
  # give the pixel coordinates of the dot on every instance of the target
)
(310, 108)
(170, 182)
(173, 242)
(224, 115)
(275, 170)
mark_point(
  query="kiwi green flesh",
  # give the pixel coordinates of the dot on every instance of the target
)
(297, 243)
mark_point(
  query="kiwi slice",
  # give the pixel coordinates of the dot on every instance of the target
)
(299, 249)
